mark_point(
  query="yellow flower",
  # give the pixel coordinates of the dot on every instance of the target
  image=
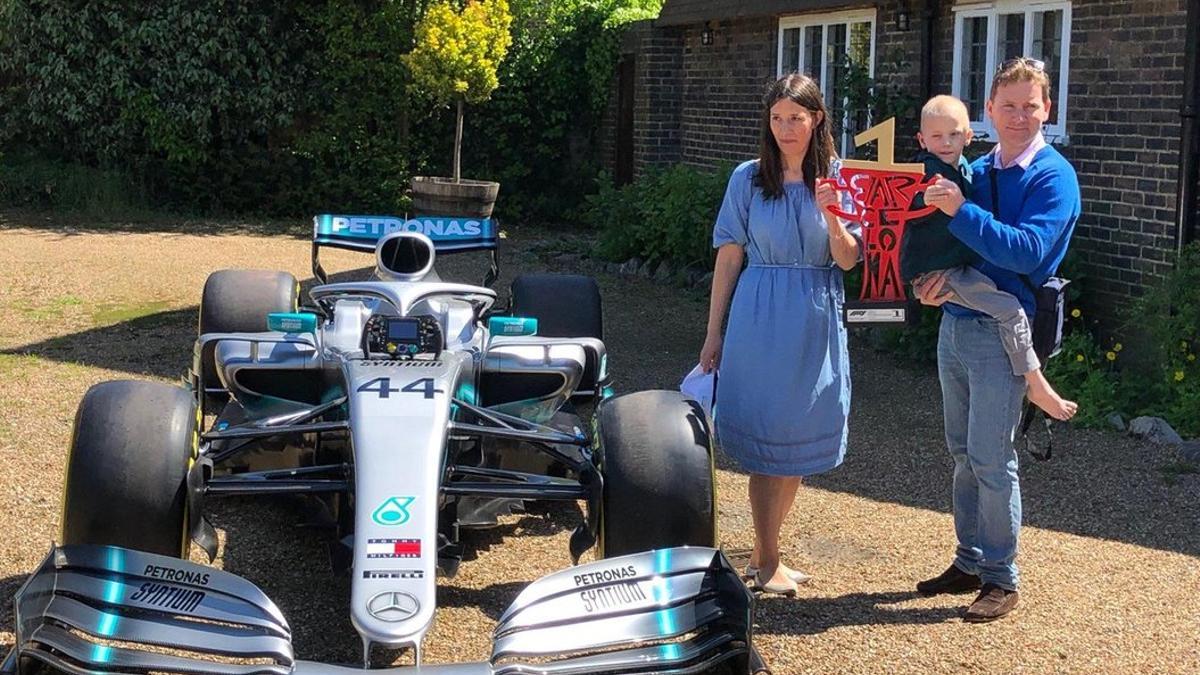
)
(1076, 313)
(1079, 357)
(1183, 346)
(1117, 347)
(1111, 356)
(1191, 357)
(1179, 376)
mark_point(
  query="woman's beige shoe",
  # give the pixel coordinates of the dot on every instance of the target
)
(799, 578)
(787, 588)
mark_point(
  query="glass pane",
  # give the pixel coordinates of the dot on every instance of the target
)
(860, 55)
(814, 46)
(973, 63)
(1010, 37)
(1047, 46)
(860, 43)
(791, 50)
(835, 55)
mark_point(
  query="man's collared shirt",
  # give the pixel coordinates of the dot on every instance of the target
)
(1022, 160)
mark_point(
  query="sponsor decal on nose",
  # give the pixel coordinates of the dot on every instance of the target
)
(393, 511)
(393, 548)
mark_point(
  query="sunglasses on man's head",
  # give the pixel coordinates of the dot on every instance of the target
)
(1023, 61)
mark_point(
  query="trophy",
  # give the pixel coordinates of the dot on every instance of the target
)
(882, 194)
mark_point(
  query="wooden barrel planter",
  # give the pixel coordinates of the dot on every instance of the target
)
(438, 196)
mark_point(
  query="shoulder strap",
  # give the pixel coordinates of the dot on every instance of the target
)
(1030, 411)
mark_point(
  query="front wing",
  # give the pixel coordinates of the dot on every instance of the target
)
(91, 610)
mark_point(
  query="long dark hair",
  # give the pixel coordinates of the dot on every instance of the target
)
(803, 91)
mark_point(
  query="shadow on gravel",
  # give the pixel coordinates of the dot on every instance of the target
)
(8, 588)
(68, 224)
(1099, 484)
(810, 616)
(267, 542)
(156, 345)
(540, 521)
(491, 600)
(159, 343)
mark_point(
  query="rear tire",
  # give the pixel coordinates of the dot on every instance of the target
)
(126, 482)
(238, 301)
(565, 305)
(657, 463)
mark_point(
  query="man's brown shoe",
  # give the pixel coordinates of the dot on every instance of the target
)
(993, 603)
(953, 580)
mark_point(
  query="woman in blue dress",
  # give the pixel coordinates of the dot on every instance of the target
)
(784, 388)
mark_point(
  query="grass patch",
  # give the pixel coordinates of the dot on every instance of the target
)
(1173, 471)
(12, 364)
(143, 314)
(55, 309)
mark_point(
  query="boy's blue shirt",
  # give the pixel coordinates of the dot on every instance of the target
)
(1038, 207)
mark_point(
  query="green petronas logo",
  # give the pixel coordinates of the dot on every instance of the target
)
(394, 511)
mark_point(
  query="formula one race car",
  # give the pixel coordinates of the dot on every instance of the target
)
(406, 408)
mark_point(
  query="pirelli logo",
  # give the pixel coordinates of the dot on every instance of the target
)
(393, 574)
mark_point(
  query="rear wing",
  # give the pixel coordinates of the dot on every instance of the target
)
(450, 234)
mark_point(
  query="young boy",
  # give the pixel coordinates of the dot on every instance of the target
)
(928, 247)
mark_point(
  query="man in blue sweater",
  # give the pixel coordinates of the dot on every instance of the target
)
(1023, 206)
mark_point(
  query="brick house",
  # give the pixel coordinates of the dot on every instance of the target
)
(689, 86)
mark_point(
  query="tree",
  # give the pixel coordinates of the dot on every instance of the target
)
(457, 55)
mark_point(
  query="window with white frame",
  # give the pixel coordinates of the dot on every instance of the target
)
(819, 45)
(988, 34)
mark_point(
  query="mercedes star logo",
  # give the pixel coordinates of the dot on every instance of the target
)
(393, 606)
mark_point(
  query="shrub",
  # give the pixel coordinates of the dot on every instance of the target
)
(1157, 373)
(665, 215)
(457, 56)
(40, 183)
(1165, 322)
(539, 134)
(1086, 373)
(351, 145)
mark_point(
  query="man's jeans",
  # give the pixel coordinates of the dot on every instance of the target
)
(982, 404)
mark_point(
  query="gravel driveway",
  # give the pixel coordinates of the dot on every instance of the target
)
(1110, 554)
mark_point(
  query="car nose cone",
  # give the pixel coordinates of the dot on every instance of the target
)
(393, 606)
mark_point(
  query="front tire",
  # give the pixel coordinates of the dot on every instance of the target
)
(657, 463)
(126, 484)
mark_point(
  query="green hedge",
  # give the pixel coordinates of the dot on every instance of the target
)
(289, 108)
(665, 215)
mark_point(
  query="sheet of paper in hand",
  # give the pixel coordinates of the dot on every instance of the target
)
(882, 194)
(701, 386)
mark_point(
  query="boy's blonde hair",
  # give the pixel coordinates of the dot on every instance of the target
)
(943, 105)
(1021, 69)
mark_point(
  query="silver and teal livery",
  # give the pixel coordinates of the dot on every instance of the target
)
(410, 407)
